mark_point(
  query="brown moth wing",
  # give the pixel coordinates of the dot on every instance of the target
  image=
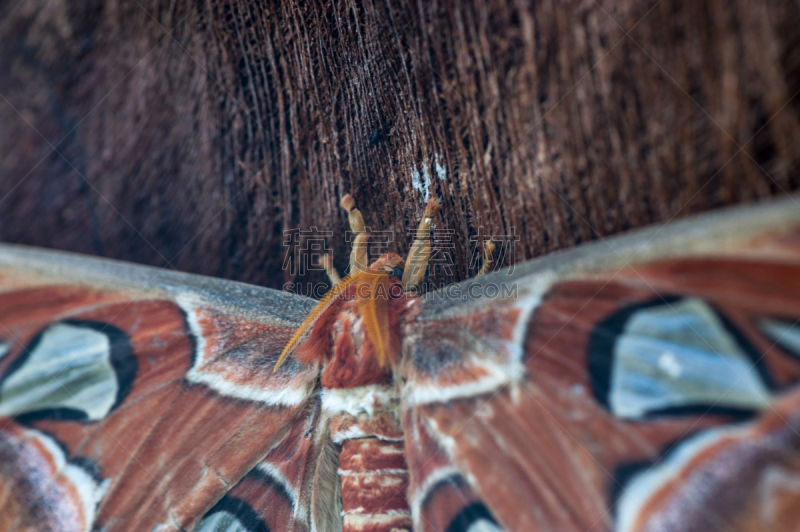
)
(276, 493)
(643, 383)
(135, 398)
(441, 498)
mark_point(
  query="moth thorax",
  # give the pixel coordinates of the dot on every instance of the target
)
(354, 361)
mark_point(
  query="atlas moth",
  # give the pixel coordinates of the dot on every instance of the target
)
(643, 382)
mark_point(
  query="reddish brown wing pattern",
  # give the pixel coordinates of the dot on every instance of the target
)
(591, 390)
(629, 394)
(122, 410)
(275, 494)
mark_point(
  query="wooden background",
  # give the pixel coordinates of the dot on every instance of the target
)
(191, 135)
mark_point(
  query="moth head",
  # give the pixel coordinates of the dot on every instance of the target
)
(389, 277)
(372, 289)
(391, 263)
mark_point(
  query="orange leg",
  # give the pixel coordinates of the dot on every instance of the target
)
(359, 259)
(420, 253)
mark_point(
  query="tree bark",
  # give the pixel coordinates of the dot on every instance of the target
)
(197, 135)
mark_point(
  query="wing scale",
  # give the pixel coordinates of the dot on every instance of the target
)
(163, 430)
(616, 389)
(644, 383)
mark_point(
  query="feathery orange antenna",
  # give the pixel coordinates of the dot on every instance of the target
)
(324, 303)
(374, 313)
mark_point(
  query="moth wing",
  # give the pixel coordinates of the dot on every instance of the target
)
(133, 398)
(643, 383)
(283, 491)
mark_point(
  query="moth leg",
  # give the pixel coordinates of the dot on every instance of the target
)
(359, 260)
(420, 253)
(326, 262)
(488, 258)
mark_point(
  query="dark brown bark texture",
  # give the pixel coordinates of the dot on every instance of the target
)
(192, 135)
